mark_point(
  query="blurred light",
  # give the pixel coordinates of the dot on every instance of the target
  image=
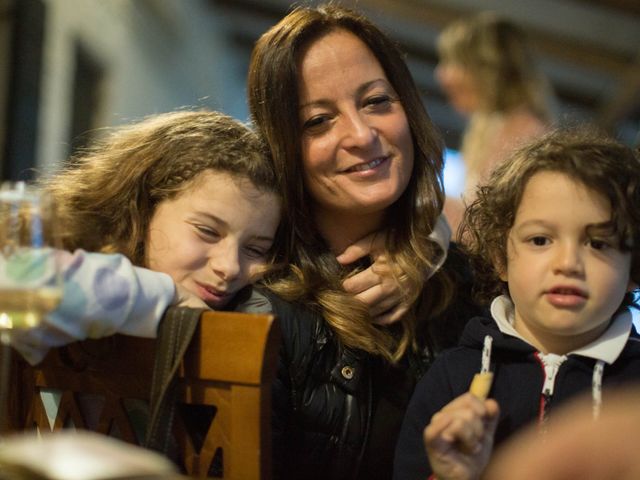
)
(453, 173)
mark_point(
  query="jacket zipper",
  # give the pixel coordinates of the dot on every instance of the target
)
(550, 364)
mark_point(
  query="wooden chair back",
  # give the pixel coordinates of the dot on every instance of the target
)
(223, 410)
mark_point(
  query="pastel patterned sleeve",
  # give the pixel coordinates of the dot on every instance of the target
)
(103, 294)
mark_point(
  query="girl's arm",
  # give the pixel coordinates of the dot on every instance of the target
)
(103, 294)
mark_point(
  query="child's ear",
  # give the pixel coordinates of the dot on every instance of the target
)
(501, 270)
(503, 275)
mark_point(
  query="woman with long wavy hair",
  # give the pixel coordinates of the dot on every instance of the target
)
(357, 156)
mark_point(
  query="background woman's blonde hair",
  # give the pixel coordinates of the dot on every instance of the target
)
(498, 55)
(108, 193)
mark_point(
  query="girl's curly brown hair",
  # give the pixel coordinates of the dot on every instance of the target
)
(583, 154)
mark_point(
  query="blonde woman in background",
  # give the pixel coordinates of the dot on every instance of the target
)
(488, 70)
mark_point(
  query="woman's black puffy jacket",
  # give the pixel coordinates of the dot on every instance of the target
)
(337, 411)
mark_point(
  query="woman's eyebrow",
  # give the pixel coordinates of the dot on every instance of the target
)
(367, 85)
(359, 91)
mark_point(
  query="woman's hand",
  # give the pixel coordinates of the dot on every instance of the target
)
(376, 286)
(459, 438)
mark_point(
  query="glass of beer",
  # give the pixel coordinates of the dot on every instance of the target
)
(30, 277)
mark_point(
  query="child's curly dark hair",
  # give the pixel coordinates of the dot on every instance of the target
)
(583, 154)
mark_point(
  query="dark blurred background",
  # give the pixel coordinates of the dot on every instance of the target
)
(70, 67)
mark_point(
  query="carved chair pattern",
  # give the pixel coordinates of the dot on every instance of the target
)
(223, 408)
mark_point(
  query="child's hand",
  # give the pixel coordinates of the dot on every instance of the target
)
(375, 286)
(184, 298)
(459, 439)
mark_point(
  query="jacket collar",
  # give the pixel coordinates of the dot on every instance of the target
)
(607, 347)
(441, 235)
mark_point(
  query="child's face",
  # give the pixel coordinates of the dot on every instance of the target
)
(213, 237)
(565, 280)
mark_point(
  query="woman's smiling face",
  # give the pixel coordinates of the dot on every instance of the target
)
(357, 147)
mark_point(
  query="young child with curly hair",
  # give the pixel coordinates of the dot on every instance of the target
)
(555, 238)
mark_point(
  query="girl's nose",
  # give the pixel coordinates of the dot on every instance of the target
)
(225, 261)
